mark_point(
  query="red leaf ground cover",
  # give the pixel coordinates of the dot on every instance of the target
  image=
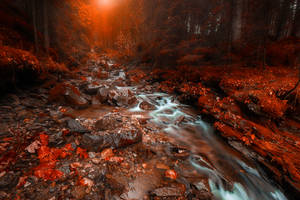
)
(48, 158)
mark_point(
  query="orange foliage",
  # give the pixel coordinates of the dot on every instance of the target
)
(48, 158)
(171, 174)
(82, 153)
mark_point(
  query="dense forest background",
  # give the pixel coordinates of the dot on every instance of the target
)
(162, 32)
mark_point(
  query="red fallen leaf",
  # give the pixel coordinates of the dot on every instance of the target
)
(44, 139)
(107, 153)
(7, 139)
(68, 147)
(17, 197)
(246, 140)
(95, 83)
(48, 159)
(26, 120)
(75, 165)
(85, 182)
(48, 174)
(82, 153)
(44, 153)
(63, 110)
(66, 132)
(171, 174)
(64, 154)
(83, 78)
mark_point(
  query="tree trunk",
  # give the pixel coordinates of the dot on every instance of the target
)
(34, 21)
(46, 26)
(296, 24)
(237, 20)
(283, 19)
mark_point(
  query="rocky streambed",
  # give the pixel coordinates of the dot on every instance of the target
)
(99, 135)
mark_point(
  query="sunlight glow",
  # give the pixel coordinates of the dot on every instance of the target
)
(104, 2)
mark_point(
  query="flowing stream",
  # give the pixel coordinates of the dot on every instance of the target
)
(231, 176)
(210, 156)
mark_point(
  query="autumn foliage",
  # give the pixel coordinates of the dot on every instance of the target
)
(48, 158)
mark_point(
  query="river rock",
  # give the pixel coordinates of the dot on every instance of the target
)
(75, 126)
(108, 122)
(8, 181)
(76, 99)
(56, 139)
(118, 138)
(67, 93)
(102, 93)
(116, 96)
(92, 142)
(147, 106)
(121, 97)
(92, 89)
(124, 137)
(167, 192)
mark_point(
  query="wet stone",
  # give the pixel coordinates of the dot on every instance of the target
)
(8, 181)
(120, 138)
(92, 142)
(167, 192)
(65, 169)
(92, 89)
(56, 139)
(108, 122)
(121, 97)
(147, 106)
(124, 138)
(200, 186)
(70, 94)
(75, 126)
(95, 101)
(78, 192)
(102, 94)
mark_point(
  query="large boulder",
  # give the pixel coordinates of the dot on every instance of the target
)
(121, 97)
(102, 93)
(76, 127)
(116, 96)
(120, 138)
(112, 131)
(92, 88)
(68, 94)
(108, 122)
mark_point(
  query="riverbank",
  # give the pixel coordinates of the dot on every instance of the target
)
(252, 108)
(74, 138)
